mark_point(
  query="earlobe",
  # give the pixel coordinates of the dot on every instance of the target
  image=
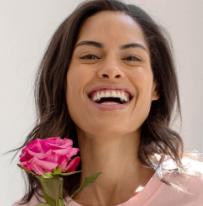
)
(155, 95)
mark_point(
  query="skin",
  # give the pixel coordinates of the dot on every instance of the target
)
(109, 141)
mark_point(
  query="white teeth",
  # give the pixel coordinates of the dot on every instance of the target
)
(98, 96)
(122, 95)
(126, 99)
(109, 103)
(94, 98)
(113, 93)
(107, 94)
(102, 94)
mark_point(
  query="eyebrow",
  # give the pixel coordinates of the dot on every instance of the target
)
(101, 46)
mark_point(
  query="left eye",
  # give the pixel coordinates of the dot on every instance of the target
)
(90, 56)
(132, 58)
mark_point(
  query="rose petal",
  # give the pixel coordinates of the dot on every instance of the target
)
(43, 155)
(45, 146)
(39, 170)
(74, 151)
(54, 157)
(40, 165)
(73, 164)
(38, 146)
(52, 140)
(65, 151)
(29, 166)
(26, 165)
(49, 166)
(67, 142)
(63, 161)
(39, 155)
(25, 156)
(34, 143)
(59, 143)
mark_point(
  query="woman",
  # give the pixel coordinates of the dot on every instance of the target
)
(108, 81)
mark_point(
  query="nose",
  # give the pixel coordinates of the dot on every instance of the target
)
(110, 70)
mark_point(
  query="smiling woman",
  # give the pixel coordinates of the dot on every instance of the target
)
(108, 82)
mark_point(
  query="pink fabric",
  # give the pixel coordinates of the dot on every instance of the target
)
(156, 193)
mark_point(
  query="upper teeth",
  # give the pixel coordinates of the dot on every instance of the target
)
(110, 93)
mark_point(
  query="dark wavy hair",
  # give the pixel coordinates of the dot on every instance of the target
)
(157, 137)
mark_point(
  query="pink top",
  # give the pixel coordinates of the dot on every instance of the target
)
(156, 193)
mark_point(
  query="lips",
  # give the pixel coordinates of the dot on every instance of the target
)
(110, 87)
(110, 106)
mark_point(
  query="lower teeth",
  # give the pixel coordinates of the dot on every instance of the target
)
(109, 103)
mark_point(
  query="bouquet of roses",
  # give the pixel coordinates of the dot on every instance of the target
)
(49, 160)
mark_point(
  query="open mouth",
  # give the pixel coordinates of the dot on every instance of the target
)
(110, 97)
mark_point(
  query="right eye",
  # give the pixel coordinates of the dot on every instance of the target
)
(89, 56)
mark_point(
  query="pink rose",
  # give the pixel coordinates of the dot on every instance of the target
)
(43, 156)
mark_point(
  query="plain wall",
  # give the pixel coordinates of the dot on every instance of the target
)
(26, 28)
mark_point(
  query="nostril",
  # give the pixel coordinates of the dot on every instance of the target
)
(116, 76)
(104, 75)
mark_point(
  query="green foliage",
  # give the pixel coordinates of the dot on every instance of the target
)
(47, 198)
(51, 189)
(61, 203)
(48, 175)
(88, 182)
(33, 173)
(52, 185)
(57, 171)
(70, 173)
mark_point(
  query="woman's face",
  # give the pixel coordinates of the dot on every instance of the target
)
(110, 83)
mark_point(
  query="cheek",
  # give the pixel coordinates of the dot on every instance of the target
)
(77, 79)
(142, 79)
(143, 82)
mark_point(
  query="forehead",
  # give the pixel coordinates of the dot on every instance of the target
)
(113, 27)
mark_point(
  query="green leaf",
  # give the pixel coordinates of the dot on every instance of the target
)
(26, 169)
(70, 173)
(47, 198)
(61, 203)
(61, 189)
(47, 175)
(57, 171)
(51, 187)
(42, 204)
(88, 182)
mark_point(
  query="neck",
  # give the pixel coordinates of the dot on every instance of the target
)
(116, 157)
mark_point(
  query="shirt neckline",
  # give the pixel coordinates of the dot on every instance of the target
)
(149, 189)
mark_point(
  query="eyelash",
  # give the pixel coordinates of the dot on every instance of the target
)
(88, 55)
(137, 58)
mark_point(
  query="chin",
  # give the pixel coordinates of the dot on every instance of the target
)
(107, 127)
(109, 131)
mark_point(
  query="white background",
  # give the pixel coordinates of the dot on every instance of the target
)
(26, 27)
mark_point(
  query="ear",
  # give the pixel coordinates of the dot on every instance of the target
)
(155, 92)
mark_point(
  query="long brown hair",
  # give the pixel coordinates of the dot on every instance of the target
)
(53, 118)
